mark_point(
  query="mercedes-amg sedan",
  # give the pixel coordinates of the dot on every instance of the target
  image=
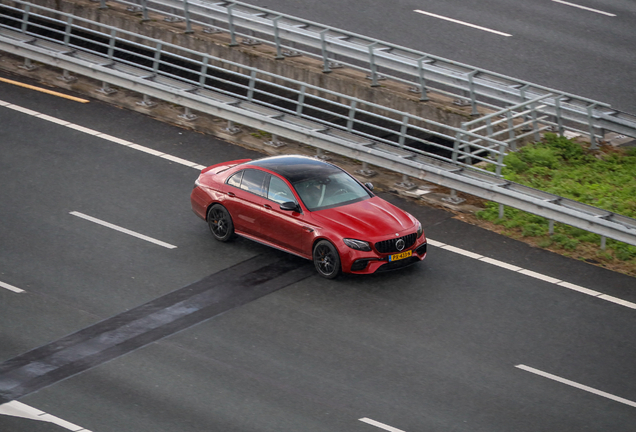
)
(309, 208)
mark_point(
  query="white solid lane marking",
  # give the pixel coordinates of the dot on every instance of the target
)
(617, 301)
(18, 409)
(11, 287)
(540, 276)
(462, 23)
(577, 385)
(579, 288)
(585, 8)
(380, 425)
(123, 230)
(532, 274)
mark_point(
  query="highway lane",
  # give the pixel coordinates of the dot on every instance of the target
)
(552, 44)
(431, 347)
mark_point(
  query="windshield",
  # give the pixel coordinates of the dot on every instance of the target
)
(330, 191)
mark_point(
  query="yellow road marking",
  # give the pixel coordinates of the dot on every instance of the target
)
(43, 90)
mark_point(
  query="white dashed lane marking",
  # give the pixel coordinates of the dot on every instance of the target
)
(576, 385)
(464, 23)
(123, 230)
(585, 8)
(11, 287)
(532, 274)
(380, 425)
(19, 409)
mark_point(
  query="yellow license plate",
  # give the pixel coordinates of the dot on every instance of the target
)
(400, 256)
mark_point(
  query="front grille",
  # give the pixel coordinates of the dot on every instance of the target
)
(388, 246)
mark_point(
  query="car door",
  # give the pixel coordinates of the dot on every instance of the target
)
(245, 201)
(286, 228)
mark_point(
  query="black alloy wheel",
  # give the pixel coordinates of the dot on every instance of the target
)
(220, 223)
(326, 259)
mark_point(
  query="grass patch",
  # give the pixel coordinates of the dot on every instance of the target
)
(604, 178)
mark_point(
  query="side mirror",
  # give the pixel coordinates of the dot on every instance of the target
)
(369, 186)
(289, 206)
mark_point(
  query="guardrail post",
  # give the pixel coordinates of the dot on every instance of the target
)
(593, 143)
(25, 19)
(204, 71)
(603, 242)
(231, 128)
(373, 66)
(473, 99)
(323, 48)
(186, 14)
(250, 91)
(352, 116)
(301, 100)
(500, 159)
(365, 171)
(551, 227)
(403, 130)
(157, 59)
(146, 102)
(106, 89)
(511, 131)
(501, 211)
(406, 183)
(535, 124)
(144, 11)
(230, 23)
(557, 110)
(456, 146)
(111, 44)
(420, 67)
(275, 142)
(67, 31)
(188, 115)
(279, 51)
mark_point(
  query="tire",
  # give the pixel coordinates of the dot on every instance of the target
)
(326, 259)
(220, 223)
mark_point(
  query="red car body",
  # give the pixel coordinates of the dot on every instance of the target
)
(261, 212)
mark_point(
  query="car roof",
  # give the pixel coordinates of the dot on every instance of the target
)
(296, 168)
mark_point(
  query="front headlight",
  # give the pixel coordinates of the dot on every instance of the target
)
(357, 244)
(420, 230)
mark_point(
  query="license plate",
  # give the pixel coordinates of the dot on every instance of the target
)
(400, 256)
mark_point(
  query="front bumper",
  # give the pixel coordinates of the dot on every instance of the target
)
(358, 262)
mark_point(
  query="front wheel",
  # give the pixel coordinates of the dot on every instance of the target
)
(220, 223)
(326, 259)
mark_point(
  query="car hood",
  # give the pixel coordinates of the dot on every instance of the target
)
(366, 219)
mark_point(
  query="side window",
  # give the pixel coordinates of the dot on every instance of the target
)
(253, 180)
(279, 192)
(235, 180)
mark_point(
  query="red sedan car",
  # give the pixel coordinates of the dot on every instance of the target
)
(309, 208)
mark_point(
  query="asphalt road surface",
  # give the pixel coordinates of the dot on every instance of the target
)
(119, 312)
(584, 47)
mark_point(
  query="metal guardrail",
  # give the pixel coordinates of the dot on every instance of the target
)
(153, 73)
(559, 111)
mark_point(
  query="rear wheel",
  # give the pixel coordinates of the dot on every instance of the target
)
(220, 223)
(326, 259)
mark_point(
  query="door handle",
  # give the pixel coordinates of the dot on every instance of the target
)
(267, 206)
(306, 228)
(232, 194)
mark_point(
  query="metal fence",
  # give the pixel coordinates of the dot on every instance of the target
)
(283, 107)
(422, 72)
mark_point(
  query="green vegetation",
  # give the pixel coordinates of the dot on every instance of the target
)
(604, 178)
